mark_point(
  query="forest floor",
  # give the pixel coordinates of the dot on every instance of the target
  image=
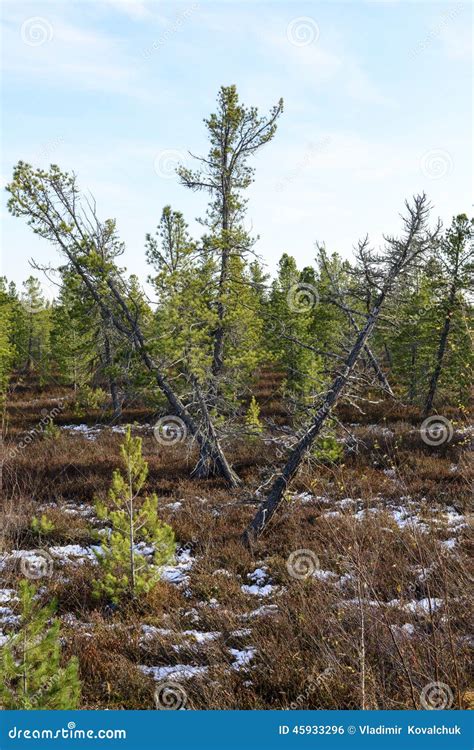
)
(381, 612)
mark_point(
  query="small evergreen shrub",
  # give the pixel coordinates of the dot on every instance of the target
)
(252, 417)
(33, 676)
(133, 519)
(42, 526)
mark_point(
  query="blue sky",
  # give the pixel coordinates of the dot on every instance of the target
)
(377, 107)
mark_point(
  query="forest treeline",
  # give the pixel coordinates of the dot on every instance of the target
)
(193, 347)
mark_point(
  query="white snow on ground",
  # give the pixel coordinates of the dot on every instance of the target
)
(200, 636)
(8, 595)
(263, 611)
(93, 431)
(258, 590)
(7, 617)
(347, 502)
(173, 507)
(302, 497)
(449, 543)
(175, 672)
(90, 433)
(259, 587)
(324, 575)
(150, 631)
(416, 606)
(422, 606)
(73, 553)
(177, 573)
(242, 657)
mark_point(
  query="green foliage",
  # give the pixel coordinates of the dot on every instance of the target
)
(328, 450)
(89, 398)
(42, 526)
(51, 430)
(7, 349)
(133, 519)
(236, 133)
(252, 417)
(33, 673)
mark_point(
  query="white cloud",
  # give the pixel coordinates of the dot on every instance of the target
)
(456, 41)
(74, 57)
(134, 9)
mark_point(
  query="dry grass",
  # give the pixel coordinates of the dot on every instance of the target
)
(351, 640)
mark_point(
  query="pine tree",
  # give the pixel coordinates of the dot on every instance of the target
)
(456, 260)
(33, 676)
(133, 519)
(290, 316)
(252, 417)
(184, 319)
(34, 327)
(7, 350)
(235, 133)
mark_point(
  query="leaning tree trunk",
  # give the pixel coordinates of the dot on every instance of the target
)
(208, 444)
(372, 359)
(443, 342)
(210, 449)
(278, 488)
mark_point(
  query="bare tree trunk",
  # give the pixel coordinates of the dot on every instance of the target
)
(370, 355)
(209, 445)
(443, 342)
(373, 360)
(278, 488)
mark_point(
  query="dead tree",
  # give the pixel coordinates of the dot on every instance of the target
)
(51, 203)
(380, 272)
(380, 375)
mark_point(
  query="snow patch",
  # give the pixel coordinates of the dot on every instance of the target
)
(242, 658)
(175, 672)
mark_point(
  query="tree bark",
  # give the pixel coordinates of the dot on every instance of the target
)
(275, 496)
(208, 444)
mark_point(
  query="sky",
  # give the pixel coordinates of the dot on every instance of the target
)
(378, 107)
